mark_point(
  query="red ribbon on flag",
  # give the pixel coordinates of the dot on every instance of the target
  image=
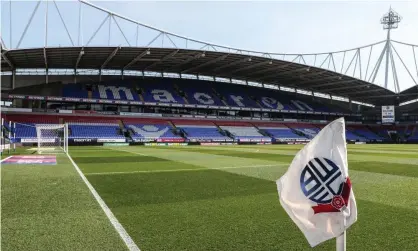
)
(338, 201)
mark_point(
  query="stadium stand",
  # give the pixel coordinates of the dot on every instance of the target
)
(280, 132)
(414, 134)
(25, 131)
(143, 130)
(95, 130)
(197, 93)
(203, 133)
(351, 136)
(243, 132)
(365, 132)
(308, 130)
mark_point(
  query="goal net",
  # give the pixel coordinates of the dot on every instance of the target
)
(52, 138)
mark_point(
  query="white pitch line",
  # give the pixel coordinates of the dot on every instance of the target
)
(6, 159)
(185, 169)
(116, 224)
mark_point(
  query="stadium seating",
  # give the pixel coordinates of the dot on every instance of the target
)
(196, 92)
(94, 130)
(114, 92)
(244, 133)
(75, 91)
(310, 131)
(349, 135)
(203, 133)
(25, 131)
(161, 93)
(283, 134)
(413, 134)
(201, 94)
(365, 132)
(152, 132)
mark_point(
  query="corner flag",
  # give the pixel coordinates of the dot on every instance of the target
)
(316, 190)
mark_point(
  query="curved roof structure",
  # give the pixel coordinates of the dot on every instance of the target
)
(349, 73)
(208, 63)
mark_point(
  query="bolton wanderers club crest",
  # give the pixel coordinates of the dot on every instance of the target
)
(322, 182)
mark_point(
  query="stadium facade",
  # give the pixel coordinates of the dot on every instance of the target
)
(203, 94)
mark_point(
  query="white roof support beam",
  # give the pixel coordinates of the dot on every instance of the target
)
(45, 59)
(322, 79)
(7, 60)
(334, 83)
(277, 73)
(231, 64)
(347, 87)
(252, 66)
(206, 63)
(80, 55)
(270, 69)
(109, 58)
(136, 59)
(162, 60)
(46, 66)
(367, 91)
(190, 59)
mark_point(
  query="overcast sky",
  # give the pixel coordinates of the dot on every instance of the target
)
(274, 26)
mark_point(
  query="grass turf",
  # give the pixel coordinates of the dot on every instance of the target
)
(200, 198)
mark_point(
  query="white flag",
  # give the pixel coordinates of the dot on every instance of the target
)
(316, 190)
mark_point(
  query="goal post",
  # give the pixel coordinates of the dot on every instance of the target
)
(52, 138)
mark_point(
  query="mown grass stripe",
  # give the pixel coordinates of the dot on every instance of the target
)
(116, 224)
(185, 170)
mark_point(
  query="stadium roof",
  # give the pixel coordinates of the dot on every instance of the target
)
(209, 63)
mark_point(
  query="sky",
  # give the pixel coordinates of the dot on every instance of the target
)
(267, 26)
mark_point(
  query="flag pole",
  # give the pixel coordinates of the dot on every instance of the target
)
(341, 242)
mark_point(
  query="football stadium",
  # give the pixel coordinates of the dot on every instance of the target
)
(117, 135)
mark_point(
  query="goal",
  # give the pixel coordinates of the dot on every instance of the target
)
(52, 138)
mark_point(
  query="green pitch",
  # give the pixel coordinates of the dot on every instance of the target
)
(198, 198)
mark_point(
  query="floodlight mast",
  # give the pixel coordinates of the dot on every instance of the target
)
(390, 21)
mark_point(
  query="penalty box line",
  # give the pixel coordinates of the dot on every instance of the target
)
(116, 224)
(5, 159)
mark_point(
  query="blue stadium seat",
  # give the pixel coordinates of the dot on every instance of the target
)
(94, 130)
(203, 133)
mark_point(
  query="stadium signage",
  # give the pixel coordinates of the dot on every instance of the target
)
(142, 140)
(35, 140)
(106, 113)
(17, 96)
(54, 98)
(165, 144)
(388, 114)
(121, 102)
(170, 140)
(65, 111)
(111, 140)
(216, 143)
(105, 101)
(84, 140)
(36, 97)
(89, 100)
(115, 144)
(72, 99)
